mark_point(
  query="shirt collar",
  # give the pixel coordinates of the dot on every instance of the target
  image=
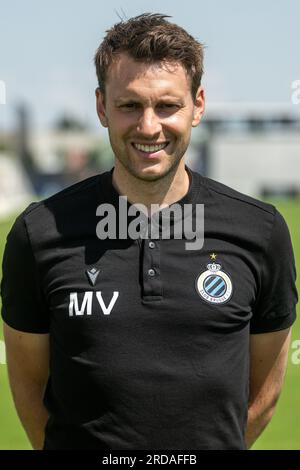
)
(112, 194)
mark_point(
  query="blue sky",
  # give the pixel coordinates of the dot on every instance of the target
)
(47, 48)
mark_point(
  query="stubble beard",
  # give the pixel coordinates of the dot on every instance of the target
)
(129, 168)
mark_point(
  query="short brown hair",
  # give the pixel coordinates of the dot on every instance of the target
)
(150, 38)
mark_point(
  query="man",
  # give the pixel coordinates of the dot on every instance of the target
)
(140, 343)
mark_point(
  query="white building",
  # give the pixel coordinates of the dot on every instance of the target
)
(257, 163)
(254, 148)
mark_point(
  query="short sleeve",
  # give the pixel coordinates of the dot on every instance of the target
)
(23, 305)
(275, 308)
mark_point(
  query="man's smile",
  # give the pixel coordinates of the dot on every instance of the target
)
(150, 148)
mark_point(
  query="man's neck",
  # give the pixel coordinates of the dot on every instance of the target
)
(163, 192)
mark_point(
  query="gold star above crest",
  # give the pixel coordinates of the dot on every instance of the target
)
(213, 256)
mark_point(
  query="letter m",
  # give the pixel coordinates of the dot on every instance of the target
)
(85, 305)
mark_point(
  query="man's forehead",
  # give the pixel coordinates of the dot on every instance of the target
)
(132, 75)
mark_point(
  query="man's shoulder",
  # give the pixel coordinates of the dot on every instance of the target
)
(72, 198)
(69, 211)
(230, 197)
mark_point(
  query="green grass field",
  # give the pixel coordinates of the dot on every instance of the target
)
(282, 433)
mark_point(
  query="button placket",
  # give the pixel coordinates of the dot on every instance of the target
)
(152, 286)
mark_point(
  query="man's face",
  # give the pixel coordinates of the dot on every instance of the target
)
(149, 113)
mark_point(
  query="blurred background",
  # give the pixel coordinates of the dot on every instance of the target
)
(249, 138)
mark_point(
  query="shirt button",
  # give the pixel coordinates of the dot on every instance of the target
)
(151, 272)
(151, 245)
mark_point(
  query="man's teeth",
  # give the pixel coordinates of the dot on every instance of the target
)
(150, 148)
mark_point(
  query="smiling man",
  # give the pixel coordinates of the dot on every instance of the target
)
(149, 111)
(139, 343)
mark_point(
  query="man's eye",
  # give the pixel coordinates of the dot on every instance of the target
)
(168, 105)
(129, 106)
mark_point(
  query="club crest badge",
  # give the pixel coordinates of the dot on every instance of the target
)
(214, 285)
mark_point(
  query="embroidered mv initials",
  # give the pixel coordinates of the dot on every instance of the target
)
(86, 307)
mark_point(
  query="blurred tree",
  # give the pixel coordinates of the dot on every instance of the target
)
(69, 123)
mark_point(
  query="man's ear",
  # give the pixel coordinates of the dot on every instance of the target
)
(199, 106)
(100, 105)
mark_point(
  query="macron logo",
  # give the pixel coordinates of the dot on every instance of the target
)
(92, 274)
(86, 306)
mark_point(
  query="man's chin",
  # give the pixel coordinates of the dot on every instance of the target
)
(150, 174)
(150, 171)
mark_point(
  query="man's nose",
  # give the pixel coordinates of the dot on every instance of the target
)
(149, 122)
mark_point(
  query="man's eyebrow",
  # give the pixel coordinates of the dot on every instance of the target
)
(171, 97)
(135, 97)
(121, 99)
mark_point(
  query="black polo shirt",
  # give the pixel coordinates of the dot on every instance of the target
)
(149, 341)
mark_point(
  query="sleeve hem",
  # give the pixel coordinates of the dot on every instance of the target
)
(23, 328)
(280, 323)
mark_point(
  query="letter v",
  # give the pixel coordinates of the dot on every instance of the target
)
(107, 310)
